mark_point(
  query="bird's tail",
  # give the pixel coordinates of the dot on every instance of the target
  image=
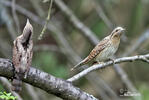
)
(79, 64)
(17, 82)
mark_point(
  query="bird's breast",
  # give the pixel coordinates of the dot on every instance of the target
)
(107, 52)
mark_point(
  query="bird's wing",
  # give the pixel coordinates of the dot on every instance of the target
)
(17, 56)
(29, 55)
(100, 46)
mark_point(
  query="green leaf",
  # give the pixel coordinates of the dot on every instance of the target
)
(12, 98)
(8, 94)
(2, 97)
(4, 93)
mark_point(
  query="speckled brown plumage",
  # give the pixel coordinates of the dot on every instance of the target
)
(96, 50)
(104, 49)
(22, 55)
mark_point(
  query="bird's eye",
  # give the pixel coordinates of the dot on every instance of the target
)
(116, 30)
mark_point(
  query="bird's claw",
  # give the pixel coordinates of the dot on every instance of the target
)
(97, 62)
(112, 60)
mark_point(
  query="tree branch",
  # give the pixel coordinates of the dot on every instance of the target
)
(76, 22)
(46, 82)
(102, 15)
(119, 60)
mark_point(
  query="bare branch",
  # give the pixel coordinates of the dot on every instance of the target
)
(76, 22)
(145, 59)
(15, 17)
(136, 43)
(102, 15)
(47, 20)
(6, 18)
(32, 92)
(46, 82)
(119, 60)
(38, 8)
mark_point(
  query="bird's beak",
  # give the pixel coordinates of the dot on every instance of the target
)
(123, 29)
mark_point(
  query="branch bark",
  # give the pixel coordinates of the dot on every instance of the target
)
(46, 82)
(119, 60)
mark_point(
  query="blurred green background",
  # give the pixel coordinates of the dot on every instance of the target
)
(64, 42)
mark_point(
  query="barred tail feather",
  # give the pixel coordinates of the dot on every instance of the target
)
(16, 84)
(79, 64)
(76, 66)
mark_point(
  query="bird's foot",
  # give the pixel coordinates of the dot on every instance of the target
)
(25, 74)
(112, 60)
(97, 62)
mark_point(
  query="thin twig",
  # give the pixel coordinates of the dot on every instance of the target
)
(15, 17)
(31, 91)
(38, 8)
(137, 43)
(6, 18)
(47, 20)
(102, 15)
(76, 22)
(119, 60)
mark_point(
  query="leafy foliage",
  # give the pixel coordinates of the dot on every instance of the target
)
(7, 96)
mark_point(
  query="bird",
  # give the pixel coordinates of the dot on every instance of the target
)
(105, 49)
(22, 56)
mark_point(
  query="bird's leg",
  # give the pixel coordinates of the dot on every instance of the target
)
(97, 62)
(110, 59)
(26, 72)
(25, 75)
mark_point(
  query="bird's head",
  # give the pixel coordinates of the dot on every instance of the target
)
(117, 32)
